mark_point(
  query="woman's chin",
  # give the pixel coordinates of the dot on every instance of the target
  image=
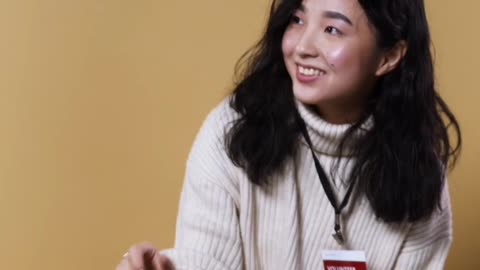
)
(308, 96)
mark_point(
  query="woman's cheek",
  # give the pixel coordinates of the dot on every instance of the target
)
(288, 43)
(338, 57)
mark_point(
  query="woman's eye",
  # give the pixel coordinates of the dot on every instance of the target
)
(332, 30)
(296, 20)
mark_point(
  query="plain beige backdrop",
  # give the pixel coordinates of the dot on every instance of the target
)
(100, 101)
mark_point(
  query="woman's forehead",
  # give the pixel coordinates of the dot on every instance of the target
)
(349, 8)
(352, 7)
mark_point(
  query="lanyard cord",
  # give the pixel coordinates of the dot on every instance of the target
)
(328, 188)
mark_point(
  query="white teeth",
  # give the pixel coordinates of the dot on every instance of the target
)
(309, 71)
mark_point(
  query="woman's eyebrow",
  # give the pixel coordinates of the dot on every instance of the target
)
(337, 15)
(330, 14)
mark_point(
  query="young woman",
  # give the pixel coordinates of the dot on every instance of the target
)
(335, 138)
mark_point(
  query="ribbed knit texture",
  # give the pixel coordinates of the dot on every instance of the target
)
(226, 222)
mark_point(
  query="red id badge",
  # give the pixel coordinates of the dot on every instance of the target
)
(344, 260)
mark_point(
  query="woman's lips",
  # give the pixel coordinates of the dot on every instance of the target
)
(308, 75)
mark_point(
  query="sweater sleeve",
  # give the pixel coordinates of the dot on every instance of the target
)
(428, 242)
(208, 234)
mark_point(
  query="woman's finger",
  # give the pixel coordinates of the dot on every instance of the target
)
(142, 256)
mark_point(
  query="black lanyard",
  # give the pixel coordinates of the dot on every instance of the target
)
(338, 235)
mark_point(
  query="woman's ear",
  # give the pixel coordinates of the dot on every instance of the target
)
(391, 58)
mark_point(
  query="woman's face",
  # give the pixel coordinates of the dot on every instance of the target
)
(330, 52)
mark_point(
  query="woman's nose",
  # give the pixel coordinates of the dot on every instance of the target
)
(306, 46)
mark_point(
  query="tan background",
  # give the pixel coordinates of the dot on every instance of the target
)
(100, 101)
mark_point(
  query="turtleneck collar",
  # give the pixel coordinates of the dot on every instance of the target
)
(326, 137)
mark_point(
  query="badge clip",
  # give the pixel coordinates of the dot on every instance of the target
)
(338, 235)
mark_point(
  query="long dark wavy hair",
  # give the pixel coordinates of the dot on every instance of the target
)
(401, 161)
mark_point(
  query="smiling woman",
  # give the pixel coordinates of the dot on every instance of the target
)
(334, 127)
(331, 55)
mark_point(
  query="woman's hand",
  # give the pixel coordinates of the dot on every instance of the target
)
(144, 256)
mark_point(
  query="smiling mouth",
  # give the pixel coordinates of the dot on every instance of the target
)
(309, 71)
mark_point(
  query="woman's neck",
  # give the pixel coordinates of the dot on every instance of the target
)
(327, 136)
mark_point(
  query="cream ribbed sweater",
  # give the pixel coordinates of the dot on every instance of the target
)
(225, 222)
